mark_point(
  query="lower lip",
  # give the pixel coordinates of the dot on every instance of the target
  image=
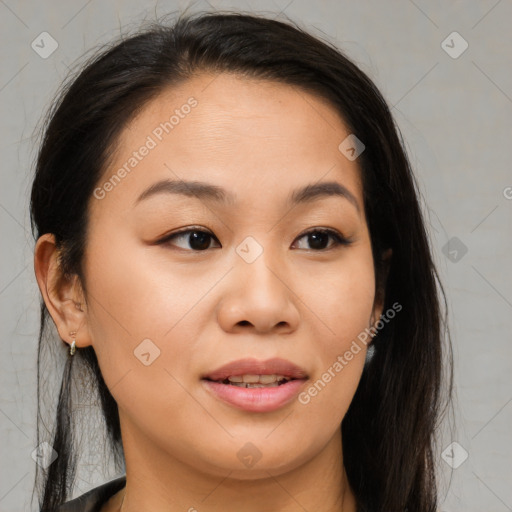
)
(255, 399)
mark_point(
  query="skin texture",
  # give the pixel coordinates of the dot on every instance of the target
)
(202, 309)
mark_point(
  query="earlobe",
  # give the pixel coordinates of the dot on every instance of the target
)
(62, 295)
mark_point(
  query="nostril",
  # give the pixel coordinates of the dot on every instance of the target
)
(244, 322)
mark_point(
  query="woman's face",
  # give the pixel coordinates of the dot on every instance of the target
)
(163, 313)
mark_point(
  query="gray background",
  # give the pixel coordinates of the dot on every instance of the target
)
(455, 115)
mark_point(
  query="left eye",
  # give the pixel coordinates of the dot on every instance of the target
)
(197, 239)
(319, 239)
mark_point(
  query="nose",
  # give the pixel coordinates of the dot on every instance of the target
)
(259, 298)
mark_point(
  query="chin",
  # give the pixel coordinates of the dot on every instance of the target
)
(252, 463)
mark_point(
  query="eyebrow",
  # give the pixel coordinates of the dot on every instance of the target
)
(202, 190)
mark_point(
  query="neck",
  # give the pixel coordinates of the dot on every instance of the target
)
(159, 482)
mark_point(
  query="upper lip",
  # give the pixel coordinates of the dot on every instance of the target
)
(275, 366)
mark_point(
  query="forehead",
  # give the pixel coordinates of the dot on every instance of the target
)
(238, 133)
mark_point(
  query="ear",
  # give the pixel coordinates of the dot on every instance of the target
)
(380, 293)
(62, 294)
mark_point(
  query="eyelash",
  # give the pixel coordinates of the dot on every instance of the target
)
(338, 238)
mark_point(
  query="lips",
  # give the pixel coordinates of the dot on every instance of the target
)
(252, 367)
(256, 386)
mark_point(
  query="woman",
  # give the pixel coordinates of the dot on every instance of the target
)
(231, 247)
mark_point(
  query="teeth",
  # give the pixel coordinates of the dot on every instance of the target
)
(251, 385)
(251, 379)
(267, 379)
(257, 380)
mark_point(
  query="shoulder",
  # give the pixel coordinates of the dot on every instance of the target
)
(93, 499)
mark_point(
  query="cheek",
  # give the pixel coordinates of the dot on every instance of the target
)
(344, 305)
(133, 293)
(342, 297)
(140, 302)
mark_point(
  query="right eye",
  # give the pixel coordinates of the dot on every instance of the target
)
(190, 239)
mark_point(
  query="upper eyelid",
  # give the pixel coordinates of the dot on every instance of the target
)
(184, 231)
(206, 230)
(330, 231)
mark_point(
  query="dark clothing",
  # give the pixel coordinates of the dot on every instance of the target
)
(93, 500)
